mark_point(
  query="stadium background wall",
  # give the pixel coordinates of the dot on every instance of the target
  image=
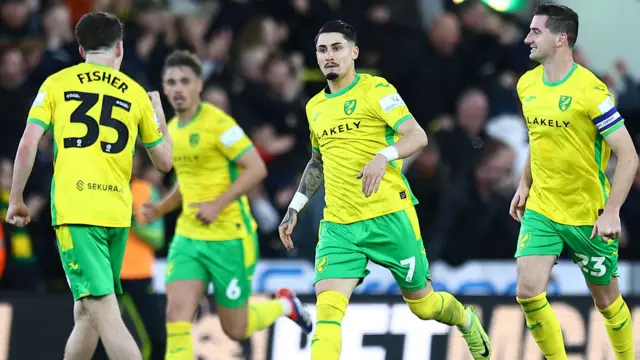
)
(375, 328)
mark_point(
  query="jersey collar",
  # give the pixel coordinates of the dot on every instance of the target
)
(195, 116)
(343, 91)
(561, 81)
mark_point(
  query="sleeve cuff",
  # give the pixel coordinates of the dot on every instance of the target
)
(612, 129)
(315, 148)
(44, 125)
(152, 144)
(402, 119)
(242, 152)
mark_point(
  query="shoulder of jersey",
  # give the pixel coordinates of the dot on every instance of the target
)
(215, 116)
(374, 82)
(589, 80)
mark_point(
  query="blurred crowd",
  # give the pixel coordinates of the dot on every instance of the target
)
(456, 66)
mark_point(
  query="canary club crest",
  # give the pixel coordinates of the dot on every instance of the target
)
(322, 264)
(565, 102)
(194, 139)
(350, 106)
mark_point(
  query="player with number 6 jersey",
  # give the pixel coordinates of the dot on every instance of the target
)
(95, 114)
(215, 240)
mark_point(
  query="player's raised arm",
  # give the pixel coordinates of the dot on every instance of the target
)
(38, 123)
(154, 133)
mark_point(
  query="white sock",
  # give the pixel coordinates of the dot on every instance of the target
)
(266, 215)
(286, 306)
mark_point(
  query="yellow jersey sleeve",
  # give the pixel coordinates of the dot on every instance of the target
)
(41, 111)
(601, 109)
(148, 124)
(389, 105)
(315, 145)
(231, 139)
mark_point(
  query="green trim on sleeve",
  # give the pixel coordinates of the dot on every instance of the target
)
(315, 148)
(615, 127)
(152, 144)
(38, 122)
(402, 119)
(242, 152)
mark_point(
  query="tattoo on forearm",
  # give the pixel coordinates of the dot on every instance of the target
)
(312, 179)
(313, 176)
(288, 217)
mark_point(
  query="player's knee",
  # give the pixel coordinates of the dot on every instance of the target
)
(331, 306)
(235, 330)
(178, 309)
(80, 312)
(426, 308)
(603, 297)
(525, 290)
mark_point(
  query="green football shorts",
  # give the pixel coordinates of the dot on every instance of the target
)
(541, 236)
(392, 241)
(228, 264)
(92, 258)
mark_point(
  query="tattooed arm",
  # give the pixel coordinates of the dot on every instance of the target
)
(312, 179)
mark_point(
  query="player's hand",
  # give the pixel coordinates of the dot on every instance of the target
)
(150, 212)
(286, 228)
(518, 203)
(371, 175)
(18, 214)
(608, 226)
(207, 212)
(154, 96)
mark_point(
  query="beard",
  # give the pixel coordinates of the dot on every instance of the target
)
(331, 76)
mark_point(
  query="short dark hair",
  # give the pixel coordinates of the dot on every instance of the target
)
(98, 30)
(338, 26)
(184, 58)
(561, 19)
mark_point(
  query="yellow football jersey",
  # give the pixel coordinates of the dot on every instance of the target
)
(204, 151)
(349, 128)
(95, 113)
(568, 121)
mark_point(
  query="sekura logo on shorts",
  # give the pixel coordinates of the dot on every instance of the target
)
(565, 102)
(322, 264)
(194, 139)
(80, 185)
(350, 106)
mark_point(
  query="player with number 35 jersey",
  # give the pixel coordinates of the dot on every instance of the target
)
(94, 113)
